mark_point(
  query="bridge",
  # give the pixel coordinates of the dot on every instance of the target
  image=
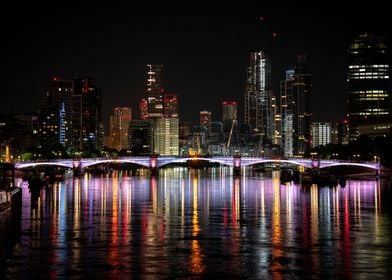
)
(154, 162)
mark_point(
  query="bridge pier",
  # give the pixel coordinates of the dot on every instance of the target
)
(153, 165)
(77, 168)
(237, 165)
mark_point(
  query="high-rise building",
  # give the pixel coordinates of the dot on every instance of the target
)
(296, 114)
(229, 115)
(205, 118)
(166, 136)
(140, 136)
(277, 122)
(199, 139)
(302, 113)
(119, 124)
(258, 94)
(163, 109)
(339, 133)
(335, 133)
(229, 111)
(18, 132)
(368, 79)
(143, 108)
(170, 105)
(55, 115)
(287, 113)
(155, 90)
(185, 130)
(321, 133)
(216, 133)
(87, 115)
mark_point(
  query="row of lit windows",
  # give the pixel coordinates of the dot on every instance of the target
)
(370, 91)
(368, 66)
(364, 45)
(66, 89)
(369, 113)
(369, 73)
(357, 52)
(371, 99)
(369, 77)
(374, 109)
(49, 126)
(377, 95)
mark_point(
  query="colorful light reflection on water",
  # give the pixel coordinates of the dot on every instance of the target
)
(200, 223)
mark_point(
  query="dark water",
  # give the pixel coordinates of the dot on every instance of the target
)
(199, 224)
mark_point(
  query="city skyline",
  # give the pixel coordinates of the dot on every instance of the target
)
(205, 56)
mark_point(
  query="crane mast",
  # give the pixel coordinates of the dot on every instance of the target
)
(231, 132)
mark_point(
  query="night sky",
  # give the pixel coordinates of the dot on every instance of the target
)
(205, 53)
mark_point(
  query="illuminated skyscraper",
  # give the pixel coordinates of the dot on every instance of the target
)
(170, 105)
(368, 87)
(205, 118)
(87, 115)
(321, 133)
(287, 113)
(140, 135)
(162, 108)
(258, 94)
(166, 136)
(143, 108)
(229, 111)
(119, 124)
(55, 117)
(296, 113)
(302, 113)
(155, 90)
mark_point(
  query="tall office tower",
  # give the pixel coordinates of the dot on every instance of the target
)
(258, 94)
(205, 118)
(229, 111)
(302, 114)
(119, 124)
(55, 117)
(334, 133)
(143, 109)
(368, 87)
(170, 105)
(166, 136)
(184, 130)
(287, 113)
(229, 115)
(155, 90)
(87, 115)
(216, 133)
(321, 133)
(199, 139)
(140, 136)
(18, 132)
(276, 122)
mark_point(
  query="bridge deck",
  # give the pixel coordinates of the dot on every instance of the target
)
(163, 161)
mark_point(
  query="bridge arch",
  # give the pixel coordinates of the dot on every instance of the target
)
(303, 163)
(133, 161)
(34, 164)
(227, 162)
(357, 164)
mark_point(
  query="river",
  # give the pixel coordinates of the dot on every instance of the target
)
(187, 223)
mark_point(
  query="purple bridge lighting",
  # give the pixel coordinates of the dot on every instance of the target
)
(158, 162)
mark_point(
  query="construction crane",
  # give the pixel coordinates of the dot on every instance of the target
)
(234, 122)
(196, 150)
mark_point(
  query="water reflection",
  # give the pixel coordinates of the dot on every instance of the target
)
(201, 224)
